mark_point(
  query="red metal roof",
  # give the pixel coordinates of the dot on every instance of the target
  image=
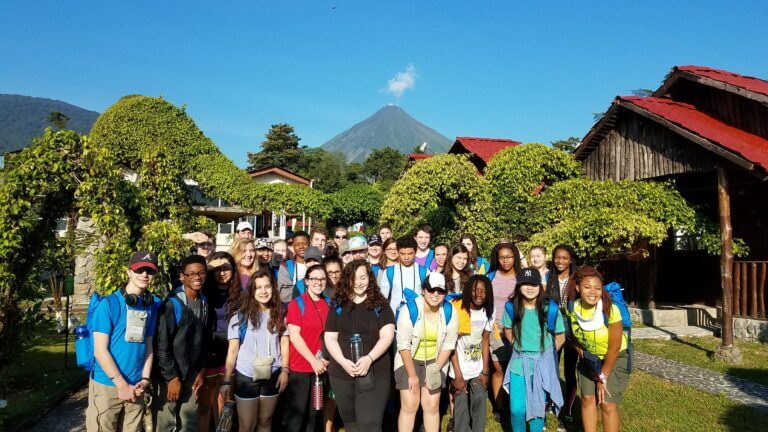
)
(749, 146)
(752, 84)
(418, 156)
(484, 148)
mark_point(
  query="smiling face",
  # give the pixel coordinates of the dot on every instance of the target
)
(441, 254)
(478, 294)
(334, 272)
(385, 233)
(361, 281)
(262, 291)
(265, 255)
(249, 256)
(374, 250)
(434, 296)
(316, 281)
(590, 291)
(459, 261)
(467, 244)
(223, 274)
(391, 252)
(538, 259)
(141, 277)
(506, 259)
(422, 239)
(406, 256)
(193, 276)
(300, 244)
(319, 240)
(530, 292)
(562, 260)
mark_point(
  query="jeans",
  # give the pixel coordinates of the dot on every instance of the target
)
(181, 415)
(469, 407)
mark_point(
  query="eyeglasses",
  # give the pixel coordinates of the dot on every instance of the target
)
(200, 275)
(341, 237)
(223, 269)
(439, 291)
(392, 249)
(334, 272)
(506, 258)
(149, 270)
(316, 280)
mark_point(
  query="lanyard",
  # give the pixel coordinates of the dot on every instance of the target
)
(322, 322)
(402, 287)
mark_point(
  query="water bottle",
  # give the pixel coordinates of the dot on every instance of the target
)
(225, 419)
(81, 332)
(317, 387)
(356, 347)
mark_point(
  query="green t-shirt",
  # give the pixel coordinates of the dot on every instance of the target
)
(530, 342)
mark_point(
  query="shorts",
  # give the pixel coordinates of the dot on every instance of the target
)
(618, 381)
(248, 389)
(501, 350)
(401, 375)
(213, 372)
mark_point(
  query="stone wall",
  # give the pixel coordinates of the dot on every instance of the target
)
(749, 329)
(85, 277)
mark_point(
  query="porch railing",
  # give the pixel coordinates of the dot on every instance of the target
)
(749, 279)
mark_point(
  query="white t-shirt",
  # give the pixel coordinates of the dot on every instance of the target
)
(468, 347)
(408, 279)
(301, 271)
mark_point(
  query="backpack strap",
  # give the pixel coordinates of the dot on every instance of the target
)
(290, 266)
(301, 286)
(113, 305)
(428, 260)
(422, 274)
(491, 275)
(243, 327)
(413, 311)
(447, 311)
(552, 315)
(176, 308)
(300, 303)
(391, 279)
(509, 308)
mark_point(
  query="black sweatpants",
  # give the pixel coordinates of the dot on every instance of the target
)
(361, 411)
(569, 370)
(299, 415)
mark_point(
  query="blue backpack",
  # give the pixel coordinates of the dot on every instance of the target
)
(552, 309)
(301, 286)
(413, 311)
(290, 266)
(429, 259)
(490, 275)
(300, 302)
(177, 308)
(84, 332)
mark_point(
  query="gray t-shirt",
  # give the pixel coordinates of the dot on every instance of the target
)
(257, 342)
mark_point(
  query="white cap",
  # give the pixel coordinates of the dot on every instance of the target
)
(436, 280)
(244, 225)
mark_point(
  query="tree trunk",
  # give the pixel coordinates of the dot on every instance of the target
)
(726, 255)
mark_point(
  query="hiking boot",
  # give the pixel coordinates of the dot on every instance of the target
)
(566, 423)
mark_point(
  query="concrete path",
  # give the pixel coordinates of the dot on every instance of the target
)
(69, 416)
(669, 332)
(736, 389)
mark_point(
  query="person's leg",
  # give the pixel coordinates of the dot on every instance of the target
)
(610, 415)
(297, 401)
(497, 379)
(345, 392)
(409, 405)
(430, 407)
(371, 405)
(461, 416)
(477, 398)
(267, 405)
(517, 402)
(164, 411)
(588, 413)
(104, 408)
(208, 404)
(247, 413)
(570, 359)
(188, 415)
(329, 414)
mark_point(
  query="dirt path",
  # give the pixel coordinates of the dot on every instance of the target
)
(69, 416)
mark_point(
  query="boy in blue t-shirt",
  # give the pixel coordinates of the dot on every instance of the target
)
(123, 328)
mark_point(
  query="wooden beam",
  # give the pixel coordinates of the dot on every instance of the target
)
(726, 254)
(748, 94)
(753, 291)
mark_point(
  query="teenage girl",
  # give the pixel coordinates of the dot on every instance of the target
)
(244, 251)
(390, 256)
(441, 257)
(608, 342)
(479, 264)
(265, 337)
(532, 375)
(537, 258)
(457, 271)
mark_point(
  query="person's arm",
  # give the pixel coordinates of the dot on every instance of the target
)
(294, 332)
(485, 352)
(559, 340)
(458, 383)
(386, 334)
(196, 237)
(142, 385)
(282, 380)
(108, 365)
(333, 347)
(165, 359)
(233, 349)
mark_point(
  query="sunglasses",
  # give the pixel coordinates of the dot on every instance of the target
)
(149, 270)
(222, 269)
(436, 290)
(341, 237)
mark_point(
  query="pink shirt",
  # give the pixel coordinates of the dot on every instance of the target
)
(503, 288)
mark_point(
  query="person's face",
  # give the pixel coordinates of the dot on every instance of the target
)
(478, 295)
(441, 254)
(406, 256)
(204, 249)
(530, 292)
(193, 276)
(319, 240)
(374, 250)
(391, 252)
(468, 244)
(506, 259)
(346, 258)
(281, 248)
(265, 255)
(141, 277)
(339, 236)
(422, 239)
(333, 271)
(434, 296)
(246, 234)
(316, 281)
(538, 260)
(562, 260)
(361, 281)
(385, 233)
(300, 244)
(223, 274)
(262, 290)
(459, 261)
(249, 255)
(590, 290)
(359, 254)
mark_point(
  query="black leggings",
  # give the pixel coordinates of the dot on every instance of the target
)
(569, 370)
(299, 416)
(361, 411)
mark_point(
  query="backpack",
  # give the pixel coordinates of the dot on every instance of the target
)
(290, 266)
(243, 326)
(429, 259)
(301, 286)
(84, 332)
(177, 308)
(490, 275)
(413, 311)
(552, 309)
(300, 302)
(391, 278)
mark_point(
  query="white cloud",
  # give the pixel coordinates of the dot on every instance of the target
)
(402, 81)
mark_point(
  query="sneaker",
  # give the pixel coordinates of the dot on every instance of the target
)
(449, 426)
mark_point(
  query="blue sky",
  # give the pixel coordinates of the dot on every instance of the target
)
(531, 71)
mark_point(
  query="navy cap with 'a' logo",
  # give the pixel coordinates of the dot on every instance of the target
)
(143, 259)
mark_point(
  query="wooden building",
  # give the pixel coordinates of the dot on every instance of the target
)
(706, 129)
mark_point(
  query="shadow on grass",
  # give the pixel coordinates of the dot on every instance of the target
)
(744, 418)
(674, 338)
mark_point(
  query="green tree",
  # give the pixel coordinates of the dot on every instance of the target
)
(357, 202)
(280, 148)
(329, 169)
(58, 119)
(567, 145)
(384, 164)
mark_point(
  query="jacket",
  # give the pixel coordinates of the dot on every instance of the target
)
(408, 339)
(183, 339)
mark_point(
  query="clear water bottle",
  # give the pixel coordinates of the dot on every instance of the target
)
(225, 419)
(356, 347)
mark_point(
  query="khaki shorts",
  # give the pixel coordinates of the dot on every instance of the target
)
(401, 375)
(618, 381)
(105, 408)
(501, 350)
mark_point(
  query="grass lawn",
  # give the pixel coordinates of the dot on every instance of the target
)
(698, 351)
(36, 379)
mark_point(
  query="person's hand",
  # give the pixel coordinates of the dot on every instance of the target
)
(126, 392)
(199, 382)
(196, 237)
(226, 391)
(319, 366)
(413, 383)
(349, 367)
(174, 388)
(363, 365)
(141, 387)
(580, 351)
(483, 379)
(282, 381)
(458, 384)
(602, 390)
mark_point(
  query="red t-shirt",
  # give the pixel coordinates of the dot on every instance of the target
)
(312, 324)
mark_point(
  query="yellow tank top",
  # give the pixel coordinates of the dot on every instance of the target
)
(427, 349)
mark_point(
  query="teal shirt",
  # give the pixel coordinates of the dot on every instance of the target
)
(530, 342)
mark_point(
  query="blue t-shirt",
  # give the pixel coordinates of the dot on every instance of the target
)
(531, 335)
(129, 356)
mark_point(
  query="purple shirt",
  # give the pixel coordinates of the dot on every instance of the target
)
(422, 261)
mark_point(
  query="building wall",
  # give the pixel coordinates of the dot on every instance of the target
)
(273, 178)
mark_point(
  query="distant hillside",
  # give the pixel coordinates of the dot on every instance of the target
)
(24, 117)
(390, 126)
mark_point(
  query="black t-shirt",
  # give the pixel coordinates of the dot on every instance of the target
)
(356, 318)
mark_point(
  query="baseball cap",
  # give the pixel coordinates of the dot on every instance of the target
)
(374, 239)
(143, 259)
(264, 243)
(528, 276)
(244, 225)
(436, 280)
(357, 243)
(313, 254)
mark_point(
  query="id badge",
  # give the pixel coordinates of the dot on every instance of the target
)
(135, 325)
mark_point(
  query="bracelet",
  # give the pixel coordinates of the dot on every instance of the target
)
(286, 370)
(484, 373)
(223, 383)
(369, 356)
(117, 374)
(146, 379)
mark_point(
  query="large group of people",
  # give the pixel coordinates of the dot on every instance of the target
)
(312, 333)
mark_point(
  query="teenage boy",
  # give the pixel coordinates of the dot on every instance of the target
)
(123, 328)
(424, 255)
(385, 232)
(312, 256)
(319, 238)
(405, 275)
(244, 230)
(293, 270)
(374, 253)
(182, 336)
(339, 235)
